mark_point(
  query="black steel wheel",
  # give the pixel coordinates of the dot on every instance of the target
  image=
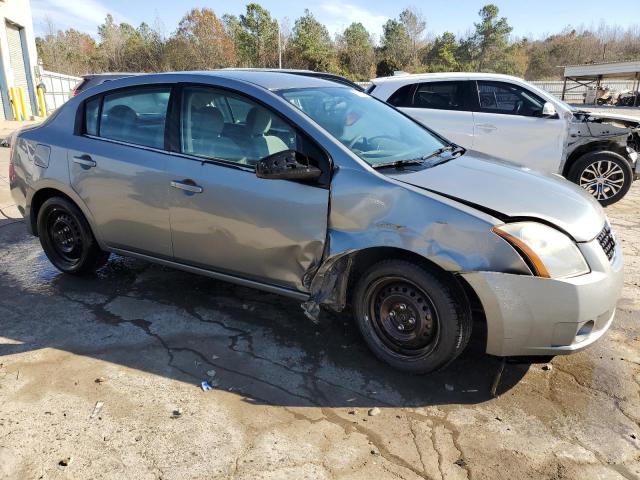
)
(410, 318)
(67, 239)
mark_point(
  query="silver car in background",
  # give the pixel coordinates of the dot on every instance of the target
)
(311, 189)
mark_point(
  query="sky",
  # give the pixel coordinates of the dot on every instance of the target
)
(532, 19)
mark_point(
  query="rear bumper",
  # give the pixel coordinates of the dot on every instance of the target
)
(529, 315)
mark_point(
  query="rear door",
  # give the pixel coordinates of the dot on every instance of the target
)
(509, 125)
(442, 106)
(117, 166)
(225, 218)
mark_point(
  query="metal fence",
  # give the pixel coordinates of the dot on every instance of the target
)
(576, 95)
(58, 88)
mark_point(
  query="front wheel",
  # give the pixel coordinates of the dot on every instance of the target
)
(605, 175)
(409, 318)
(66, 238)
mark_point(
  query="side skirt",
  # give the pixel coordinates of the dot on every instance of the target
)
(287, 292)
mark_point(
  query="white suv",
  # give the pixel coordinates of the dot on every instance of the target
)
(509, 118)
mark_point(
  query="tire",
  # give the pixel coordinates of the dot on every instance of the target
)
(441, 325)
(67, 239)
(605, 175)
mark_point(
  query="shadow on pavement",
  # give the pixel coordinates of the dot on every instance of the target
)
(181, 326)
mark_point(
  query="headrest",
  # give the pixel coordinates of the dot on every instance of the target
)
(258, 121)
(123, 113)
(209, 119)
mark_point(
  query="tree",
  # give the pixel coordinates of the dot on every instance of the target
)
(395, 44)
(310, 45)
(255, 35)
(69, 51)
(356, 55)
(415, 25)
(442, 56)
(491, 37)
(201, 42)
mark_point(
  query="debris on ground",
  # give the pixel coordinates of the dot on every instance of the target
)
(211, 373)
(461, 462)
(374, 411)
(214, 357)
(547, 368)
(448, 387)
(177, 413)
(353, 412)
(498, 377)
(100, 380)
(96, 409)
(65, 462)
(205, 385)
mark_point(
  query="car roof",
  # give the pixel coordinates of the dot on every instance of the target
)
(412, 78)
(334, 77)
(270, 80)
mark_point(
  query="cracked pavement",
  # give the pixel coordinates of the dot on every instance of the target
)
(290, 398)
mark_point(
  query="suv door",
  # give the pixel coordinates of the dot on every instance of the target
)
(509, 125)
(442, 106)
(223, 217)
(117, 166)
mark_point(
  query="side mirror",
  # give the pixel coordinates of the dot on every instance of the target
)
(287, 165)
(549, 110)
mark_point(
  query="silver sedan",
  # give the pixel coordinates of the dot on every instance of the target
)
(312, 189)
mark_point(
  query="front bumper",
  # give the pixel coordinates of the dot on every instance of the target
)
(529, 315)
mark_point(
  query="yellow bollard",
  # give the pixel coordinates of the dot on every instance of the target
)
(41, 103)
(14, 103)
(23, 107)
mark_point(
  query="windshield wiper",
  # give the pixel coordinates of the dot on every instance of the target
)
(454, 149)
(399, 163)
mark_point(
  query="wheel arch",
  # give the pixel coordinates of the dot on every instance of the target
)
(48, 190)
(593, 147)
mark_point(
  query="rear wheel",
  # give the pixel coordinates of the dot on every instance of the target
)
(67, 239)
(605, 175)
(409, 318)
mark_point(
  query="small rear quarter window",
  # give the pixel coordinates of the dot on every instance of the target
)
(91, 110)
(401, 97)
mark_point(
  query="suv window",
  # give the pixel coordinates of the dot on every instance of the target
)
(134, 116)
(222, 125)
(401, 97)
(506, 98)
(441, 96)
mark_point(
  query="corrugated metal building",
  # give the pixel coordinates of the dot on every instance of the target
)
(18, 56)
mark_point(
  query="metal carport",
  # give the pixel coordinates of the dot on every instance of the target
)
(585, 75)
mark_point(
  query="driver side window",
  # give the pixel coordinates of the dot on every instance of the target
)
(509, 99)
(221, 125)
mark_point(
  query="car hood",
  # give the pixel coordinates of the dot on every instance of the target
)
(509, 190)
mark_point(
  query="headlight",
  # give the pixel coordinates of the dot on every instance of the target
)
(549, 252)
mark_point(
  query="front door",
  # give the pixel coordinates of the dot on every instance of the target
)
(117, 167)
(225, 218)
(509, 125)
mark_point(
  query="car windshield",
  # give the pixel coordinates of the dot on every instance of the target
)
(374, 131)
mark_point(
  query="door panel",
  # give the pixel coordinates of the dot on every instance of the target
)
(271, 230)
(125, 189)
(453, 125)
(509, 126)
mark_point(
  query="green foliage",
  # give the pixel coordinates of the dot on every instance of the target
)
(203, 40)
(310, 46)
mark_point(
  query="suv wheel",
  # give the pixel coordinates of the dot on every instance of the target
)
(409, 318)
(605, 175)
(66, 238)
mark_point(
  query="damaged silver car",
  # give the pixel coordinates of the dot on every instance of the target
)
(314, 190)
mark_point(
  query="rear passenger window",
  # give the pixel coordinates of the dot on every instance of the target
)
(135, 116)
(244, 135)
(441, 96)
(91, 109)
